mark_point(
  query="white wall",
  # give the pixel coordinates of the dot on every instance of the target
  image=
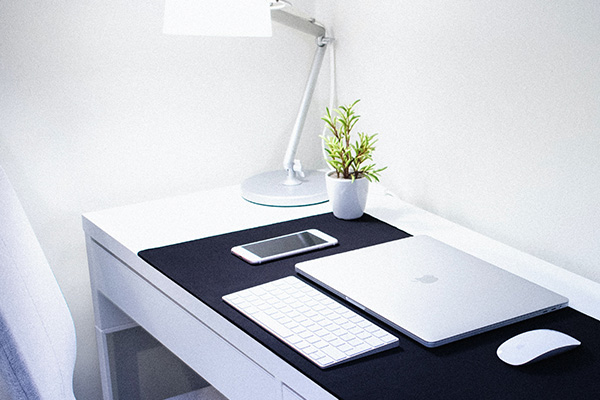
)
(99, 109)
(488, 113)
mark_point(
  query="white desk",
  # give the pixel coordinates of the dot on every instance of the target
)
(230, 360)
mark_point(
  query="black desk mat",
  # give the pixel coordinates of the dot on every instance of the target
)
(467, 369)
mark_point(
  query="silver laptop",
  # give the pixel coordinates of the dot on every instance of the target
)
(430, 291)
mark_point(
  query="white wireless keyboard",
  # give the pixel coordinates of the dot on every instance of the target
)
(318, 327)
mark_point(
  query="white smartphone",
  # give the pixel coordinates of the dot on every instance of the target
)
(283, 246)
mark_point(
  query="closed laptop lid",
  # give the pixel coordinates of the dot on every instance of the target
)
(430, 291)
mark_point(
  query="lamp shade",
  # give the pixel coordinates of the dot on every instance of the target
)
(218, 18)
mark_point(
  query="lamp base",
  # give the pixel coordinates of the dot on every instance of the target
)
(267, 189)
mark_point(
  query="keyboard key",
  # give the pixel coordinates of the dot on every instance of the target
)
(273, 325)
(373, 341)
(334, 353)
(363, 335)
(359, 348)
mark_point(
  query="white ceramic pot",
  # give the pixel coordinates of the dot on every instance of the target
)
(348, 198)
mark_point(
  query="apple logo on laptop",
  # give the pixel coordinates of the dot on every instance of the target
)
(426, 279)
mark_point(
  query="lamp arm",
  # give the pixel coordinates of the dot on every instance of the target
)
(288, 161)
(307, 25)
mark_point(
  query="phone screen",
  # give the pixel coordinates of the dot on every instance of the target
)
(284, 244)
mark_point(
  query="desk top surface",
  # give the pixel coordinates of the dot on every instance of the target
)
(125, 231)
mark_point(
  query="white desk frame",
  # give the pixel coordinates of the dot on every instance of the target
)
(234, 363)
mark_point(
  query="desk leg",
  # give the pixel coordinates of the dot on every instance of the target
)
(107, 387)
(108, 319)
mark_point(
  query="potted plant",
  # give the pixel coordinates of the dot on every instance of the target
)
(352, 163)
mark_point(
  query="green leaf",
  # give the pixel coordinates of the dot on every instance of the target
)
(349, 159)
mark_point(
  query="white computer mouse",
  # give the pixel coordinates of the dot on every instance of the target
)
(535, 345)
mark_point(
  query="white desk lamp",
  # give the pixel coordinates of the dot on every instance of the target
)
(289, 186)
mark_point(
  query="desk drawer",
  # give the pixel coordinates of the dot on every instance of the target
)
(226, 368)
